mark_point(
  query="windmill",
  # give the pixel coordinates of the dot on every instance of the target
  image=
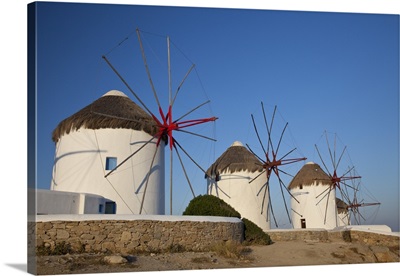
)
(166, 123)
(229, 181)
(273, 162)
(361, 198)
(339, 174)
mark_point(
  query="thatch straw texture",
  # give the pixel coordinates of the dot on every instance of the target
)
(236, 158)
(341, 206)
(112, 110)
(309, 174)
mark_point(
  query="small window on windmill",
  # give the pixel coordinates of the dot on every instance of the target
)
(301, 186)
(111, 163)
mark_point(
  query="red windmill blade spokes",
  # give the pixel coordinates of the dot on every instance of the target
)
(359, 201)
(338, 181)
(353, 205)
(166, 130)
(168, 125)
(165, 123)
(272, 164)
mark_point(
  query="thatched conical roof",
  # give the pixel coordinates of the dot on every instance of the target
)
(113, 110)
(236, 158)
(309, 174)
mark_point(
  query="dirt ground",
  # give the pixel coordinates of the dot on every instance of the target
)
(296, 253)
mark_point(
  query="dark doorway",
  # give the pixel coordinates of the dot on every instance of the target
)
(110, 208)
(303, 223)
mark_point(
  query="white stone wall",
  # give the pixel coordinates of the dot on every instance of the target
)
(53, 202)
(57, 202)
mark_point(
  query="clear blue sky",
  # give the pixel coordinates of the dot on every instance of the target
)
(337, 72)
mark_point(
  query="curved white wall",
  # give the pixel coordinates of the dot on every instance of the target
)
(343, 219)
(236, 190)
(309, 209)
(79, 166)
(59, 202)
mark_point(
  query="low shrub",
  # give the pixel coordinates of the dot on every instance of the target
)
(253, 234)
(209, 205)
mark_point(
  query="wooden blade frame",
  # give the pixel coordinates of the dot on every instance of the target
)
(272, 163)
(166, 125)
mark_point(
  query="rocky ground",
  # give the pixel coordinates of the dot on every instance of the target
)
(293, 253)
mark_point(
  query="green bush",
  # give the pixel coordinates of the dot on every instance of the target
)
(254, 234)
(209, 205)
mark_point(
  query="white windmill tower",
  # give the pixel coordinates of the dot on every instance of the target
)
(230, 176)
(90, 145)
(309, 211)
(329, 191)
(342, 176)
(130, 140)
